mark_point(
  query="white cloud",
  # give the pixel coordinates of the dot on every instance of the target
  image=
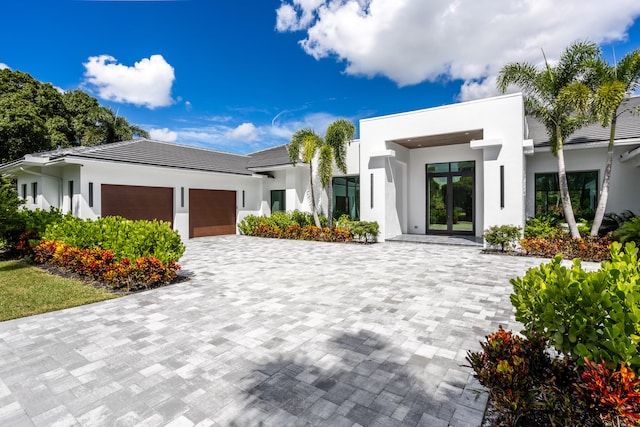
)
(188, 105)
(163, 134)
(147, 83)
(246, 137)
(246, 132)
(411, 41)
(4, 66)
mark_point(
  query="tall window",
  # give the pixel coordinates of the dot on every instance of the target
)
(34, 191)
(91, 194)
(278, 201)
(24, 191)
(346, 196)
(71, 196)
(583, 191)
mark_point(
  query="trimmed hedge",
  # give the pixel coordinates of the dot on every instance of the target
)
(299, 225)
(123, 237)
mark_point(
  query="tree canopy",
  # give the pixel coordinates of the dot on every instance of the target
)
(35, 116)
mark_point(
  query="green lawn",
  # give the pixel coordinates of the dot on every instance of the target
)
(27, 290)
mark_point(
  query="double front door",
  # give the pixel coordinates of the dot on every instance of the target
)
(450, 198)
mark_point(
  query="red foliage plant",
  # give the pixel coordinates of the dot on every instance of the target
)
(615, 395)
(99, 264)
(308, 232)
(587, 248)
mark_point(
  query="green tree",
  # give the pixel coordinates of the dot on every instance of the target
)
(307, 143)
(10, 222)
(32, 116)
(94, 124)
(339, 134)
(35, 116)
(615, 83)
(558, 96)
(108, 127)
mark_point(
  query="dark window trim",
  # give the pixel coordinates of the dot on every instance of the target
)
(283, 199)
(555, 175)
(502, 186)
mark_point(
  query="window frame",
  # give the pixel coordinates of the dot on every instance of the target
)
(283, 200)
(554, 182)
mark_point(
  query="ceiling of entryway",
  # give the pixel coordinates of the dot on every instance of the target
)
(463, 137)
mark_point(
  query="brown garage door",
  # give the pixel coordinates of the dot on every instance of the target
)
(211, 212)
(137, 202)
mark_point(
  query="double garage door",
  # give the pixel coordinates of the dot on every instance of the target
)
(211, 212)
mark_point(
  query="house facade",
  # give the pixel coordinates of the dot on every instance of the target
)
(455, 169)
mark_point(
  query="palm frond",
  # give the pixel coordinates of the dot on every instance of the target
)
(340, 133)
(299, 143)
(325, 165)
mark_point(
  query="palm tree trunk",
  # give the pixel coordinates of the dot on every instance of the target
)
(330, 205)
(564, 194)
(314, 211)
(604, 191)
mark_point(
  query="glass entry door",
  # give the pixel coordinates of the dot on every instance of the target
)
(450, 198)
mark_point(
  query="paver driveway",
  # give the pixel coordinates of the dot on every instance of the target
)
(269, 332)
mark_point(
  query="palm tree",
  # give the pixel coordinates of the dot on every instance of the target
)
(334, 151)
(307, 141)
(615, 83)
(558, 96)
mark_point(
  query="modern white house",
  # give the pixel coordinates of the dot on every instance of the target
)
(455, 169)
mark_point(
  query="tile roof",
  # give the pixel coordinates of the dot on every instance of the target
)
(156, 153)
(276, 156)
(627, 127)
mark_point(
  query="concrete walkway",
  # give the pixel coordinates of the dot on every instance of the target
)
(269, 333)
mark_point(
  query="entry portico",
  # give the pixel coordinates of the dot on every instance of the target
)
(455, 169)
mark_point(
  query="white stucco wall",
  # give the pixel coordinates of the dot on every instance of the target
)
(624, 190)
(501, 120)
(48, 188)
(120, 174)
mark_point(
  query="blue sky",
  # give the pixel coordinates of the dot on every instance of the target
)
(242, 75)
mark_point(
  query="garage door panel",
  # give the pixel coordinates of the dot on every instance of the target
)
(137, 202)
(211, 212)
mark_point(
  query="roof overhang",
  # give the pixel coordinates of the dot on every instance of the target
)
(631, 156)
(271, 168)
(451, 138)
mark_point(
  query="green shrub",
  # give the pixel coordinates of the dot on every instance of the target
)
(629, 231)
(544, 227)
(365, 231)
(248, 223)
(125, 238)
(503, 236)
(343, 222)
(11, 224)
(612, 221)
(302, 218)
(279, 221)
(585, 314)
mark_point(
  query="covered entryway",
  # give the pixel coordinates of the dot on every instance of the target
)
(450, 198)
(137, 202)
(211, 212)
